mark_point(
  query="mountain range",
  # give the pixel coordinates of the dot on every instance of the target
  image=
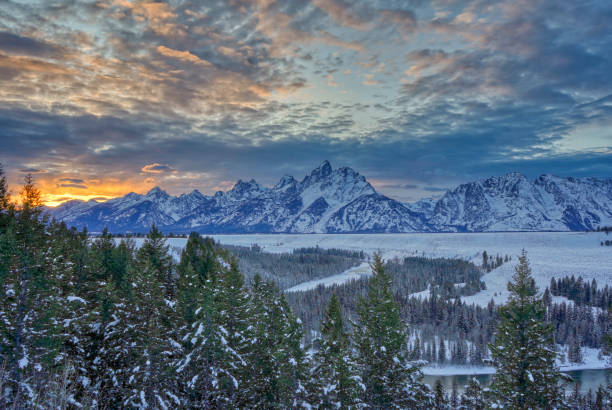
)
(341, 201)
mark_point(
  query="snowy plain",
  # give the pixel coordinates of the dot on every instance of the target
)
(551, 254)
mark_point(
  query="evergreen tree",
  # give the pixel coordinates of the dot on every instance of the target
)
(29, 316)
(522, 352)
(335, 372)
(473, 396)
(391, 381)
(235, 309)
(4, 198)
(277, 360)
(146, 324)
(440, 402)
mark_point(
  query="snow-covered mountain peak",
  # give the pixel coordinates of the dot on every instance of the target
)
(243, 190)
(323, 170)
(342, 200)
(157, 192)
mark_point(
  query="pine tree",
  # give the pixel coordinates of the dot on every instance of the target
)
(473, 396)
(277, 359)
(522, 352)
(215, 311)
(235, 309)
(391, 381)
(4, 195)
(440, 402)
(147, 327)
(335, 371)
(29, 321)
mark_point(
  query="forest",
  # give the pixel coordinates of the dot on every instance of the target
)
(92, 322)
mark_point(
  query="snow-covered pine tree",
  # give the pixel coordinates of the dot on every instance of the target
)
(278, 365)
(473, 396)
(214, 315)
(391, 381)
(338, 384)
(526, 374)
(235, 310)
(206, 366)
(147, 327)
(29, 334)
(440, 401)
(76, 288)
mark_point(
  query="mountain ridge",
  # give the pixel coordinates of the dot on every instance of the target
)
(342, 201)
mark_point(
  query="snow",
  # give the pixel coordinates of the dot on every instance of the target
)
(353, 273)
(451, 370)
(551, 254)
(23, 362)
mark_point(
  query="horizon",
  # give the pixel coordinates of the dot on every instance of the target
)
(432, 197)
(101, 98)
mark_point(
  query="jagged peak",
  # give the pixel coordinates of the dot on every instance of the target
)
(323, 170)
(285, 181)
(242, 186)
(156, 191)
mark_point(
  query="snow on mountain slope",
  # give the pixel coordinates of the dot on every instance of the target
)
(341, 200)
(512, 203)
(318, 203)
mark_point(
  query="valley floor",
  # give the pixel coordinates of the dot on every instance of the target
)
(551, 254)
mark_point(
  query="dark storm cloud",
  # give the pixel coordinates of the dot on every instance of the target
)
(434, 189)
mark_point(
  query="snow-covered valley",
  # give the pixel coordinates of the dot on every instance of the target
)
(551, 254)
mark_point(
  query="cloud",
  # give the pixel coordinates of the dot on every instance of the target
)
(20, 45)
(156, 168)
(439, 92)
(72, 180)
(78, 186)
(32, 171)
(181, 55)
(434, 189)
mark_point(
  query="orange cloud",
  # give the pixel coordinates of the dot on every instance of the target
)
(159, 16)
(341, 13)
(156, 168)
(182, 55)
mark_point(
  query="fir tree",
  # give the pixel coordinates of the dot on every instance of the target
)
(277, 360)
(473, 396)
(146, 324)
(522, 352)
(391, 381)
(335, 371)
(29, 321)
(440, 402)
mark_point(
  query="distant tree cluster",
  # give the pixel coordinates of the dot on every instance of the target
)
(582, 292)
(291, 268)
(606, 229)
(490, 262)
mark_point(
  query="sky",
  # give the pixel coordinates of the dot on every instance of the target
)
(101, 98)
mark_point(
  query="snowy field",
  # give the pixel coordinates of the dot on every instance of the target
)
(551, 254)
